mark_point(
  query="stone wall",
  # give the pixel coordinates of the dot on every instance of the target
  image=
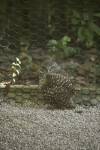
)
(32, 96)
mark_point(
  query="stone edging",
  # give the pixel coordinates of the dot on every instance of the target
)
(31, 95)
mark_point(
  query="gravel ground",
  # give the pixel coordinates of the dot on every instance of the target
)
(41, 129)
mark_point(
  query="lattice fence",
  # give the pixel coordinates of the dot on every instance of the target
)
(34, 31)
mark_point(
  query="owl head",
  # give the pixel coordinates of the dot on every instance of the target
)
(50, 66)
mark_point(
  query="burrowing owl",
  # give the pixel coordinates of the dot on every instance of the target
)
(56, 85)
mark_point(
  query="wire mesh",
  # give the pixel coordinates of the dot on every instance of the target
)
(66, 31)
(35, 96)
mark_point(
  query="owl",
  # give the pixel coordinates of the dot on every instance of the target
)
(56, 86)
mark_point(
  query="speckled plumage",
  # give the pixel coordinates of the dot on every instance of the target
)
(56, 85)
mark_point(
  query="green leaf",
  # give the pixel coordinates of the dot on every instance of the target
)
(89, 38)
(76, 14)
(23, 54)
(29, 59)
(85, 16)
(81, 33)
(54, 48)
(66, 51)
(89, 35)
(72, 49)
(52, 42)
(17, 72)
(13, 67)
(20, 66)
(95, 28)
(66, 39)
(13, 63)
(18, 60)
(63, 43)
(70, 74)
(14, 74)
(16, 64)
(50, 58)
(75, 21)
(97, 14)
(14, 80)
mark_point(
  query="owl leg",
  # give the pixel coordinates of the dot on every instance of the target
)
(71, 104)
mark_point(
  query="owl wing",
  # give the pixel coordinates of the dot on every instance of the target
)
(59, 81)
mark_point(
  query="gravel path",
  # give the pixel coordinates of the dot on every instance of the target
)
(41, 129)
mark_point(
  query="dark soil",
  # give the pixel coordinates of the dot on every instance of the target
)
(85, 68)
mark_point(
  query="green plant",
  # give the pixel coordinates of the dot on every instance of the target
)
(85, 27)
(94, 81)
(61, 46)
(16, 66)
(28, 60)
(94, 66)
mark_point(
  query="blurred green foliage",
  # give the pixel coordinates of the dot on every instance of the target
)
(85, 27)
(40, 21)
(28, 60)
(61, 46)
